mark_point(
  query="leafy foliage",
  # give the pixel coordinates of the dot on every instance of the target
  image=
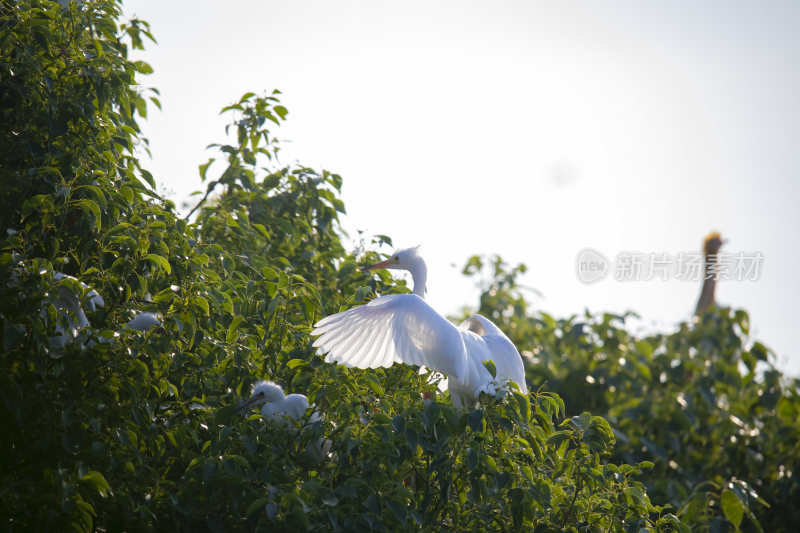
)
(704, 404)
(119, 429)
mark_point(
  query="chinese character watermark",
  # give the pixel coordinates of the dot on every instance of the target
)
(592, 266)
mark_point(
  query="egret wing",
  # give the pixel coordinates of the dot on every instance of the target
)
(481, 325)
(503, 352)
(394, 328)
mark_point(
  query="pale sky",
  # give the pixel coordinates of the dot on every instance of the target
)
(522, 128)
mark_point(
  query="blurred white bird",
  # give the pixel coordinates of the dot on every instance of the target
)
(143, 322)
(276, 405)
(403, 328)
(69, 305)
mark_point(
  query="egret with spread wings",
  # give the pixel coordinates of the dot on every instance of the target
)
(403, 328)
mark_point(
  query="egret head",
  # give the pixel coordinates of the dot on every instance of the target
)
(264, 392)
(404, 259)
(410, 260)
(712, 243)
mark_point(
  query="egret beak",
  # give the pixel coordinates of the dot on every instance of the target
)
(246, 404)
(383, 264)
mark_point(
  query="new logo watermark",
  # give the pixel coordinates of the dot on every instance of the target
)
(591, 266)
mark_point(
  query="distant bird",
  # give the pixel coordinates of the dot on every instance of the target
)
(711, 246)
(143, 322)
(69, 305)
(404, 328)
(276, 405)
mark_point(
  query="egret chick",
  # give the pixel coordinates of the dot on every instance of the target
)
(276, 405)
(69, 305)
(403, 328)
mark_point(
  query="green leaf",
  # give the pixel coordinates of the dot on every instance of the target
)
(96, 193)
(34, 202)
(94, 480)
(272, 306)
(122, 226)
(732, 506)
(164, 295)
(524, 405)
(204, 168)
(143, 68)
(281, 111)
(645, 348)
(202, 303)
(233, 332)
(558, 438)
(399, 510)
(148, 177)
(634, 496)
(294, 363)
(490, 366)
(581, 421)
(259, 504)
(127, 193)
(159, 262)
(373, 384)
(476, 420)
(262, 230)
(759, 351)
(188, 323)
(88, 206)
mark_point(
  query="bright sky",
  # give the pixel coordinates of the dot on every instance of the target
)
(528, 129)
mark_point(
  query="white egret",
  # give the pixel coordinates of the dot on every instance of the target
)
(69, 305)
(711, 246)
(276, 405)
(404, 328)
(143, 322)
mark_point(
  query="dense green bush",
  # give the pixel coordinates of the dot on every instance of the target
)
(118, 429)
(705, 404)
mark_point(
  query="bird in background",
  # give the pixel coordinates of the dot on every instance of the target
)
(403, 328)
(277, 405)
(144, 321)
(711, 246)
(69, 307)
(70, 310)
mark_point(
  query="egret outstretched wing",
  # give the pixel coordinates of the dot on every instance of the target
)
(502, 351)
(393, 328)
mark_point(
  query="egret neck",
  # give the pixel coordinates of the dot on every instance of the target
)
(419, 275)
